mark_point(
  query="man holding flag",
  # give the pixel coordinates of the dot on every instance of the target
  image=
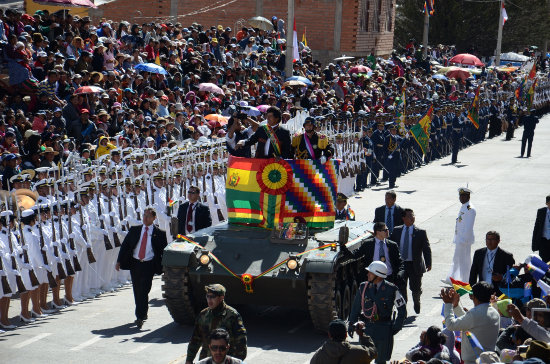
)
(479, 326)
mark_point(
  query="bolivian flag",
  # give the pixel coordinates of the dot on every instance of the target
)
(421, 131)
(460, 287)
(243, 191)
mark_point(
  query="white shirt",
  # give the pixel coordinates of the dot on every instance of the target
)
(192, 222)
(149, 253)
(546, 230)
(488, 263)
(409, 254)
(386, 254)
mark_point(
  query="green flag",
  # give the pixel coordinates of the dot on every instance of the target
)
(421, 130)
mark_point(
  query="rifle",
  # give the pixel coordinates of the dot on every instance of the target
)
(219, 211)
(20, 286)
(51, 278)
(32, 275)
(119, 199)
(68, 265)
(106, 240)
(76, 263)
(60, 271)
(89, 252)
(111, 218)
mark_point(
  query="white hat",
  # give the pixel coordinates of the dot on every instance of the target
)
(462, 190)
(378, 268)
(27, 213)
(6, 213)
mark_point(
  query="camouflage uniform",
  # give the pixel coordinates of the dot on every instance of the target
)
(225, 317)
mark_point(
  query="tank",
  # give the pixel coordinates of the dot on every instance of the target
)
(290, 265)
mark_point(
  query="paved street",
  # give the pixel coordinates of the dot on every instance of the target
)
(507, 192)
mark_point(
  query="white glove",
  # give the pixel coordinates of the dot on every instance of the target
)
(390, 156)
(112, 213)
(25, 247)
(45, 248)
(58, 260)
(323, 159)
(2, 273)
(27, 266)
(84, 227)
(15, 272)
(88, 245)
(105, 232)
(47, 267)
(72, 236)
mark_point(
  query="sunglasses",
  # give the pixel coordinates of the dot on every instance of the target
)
(193, 192)
(218, 348)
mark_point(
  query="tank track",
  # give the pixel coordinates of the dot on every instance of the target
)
(178, 296)
(331, 296)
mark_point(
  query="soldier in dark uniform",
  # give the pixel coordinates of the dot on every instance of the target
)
(217, 315)
(343, 210)
(434, 137)
(393, 159)
(511, 116)
(372, 310)
(530, 122)
(495, 125)
(311, 145)
(366, 159)
(456, 135)
(379, 140)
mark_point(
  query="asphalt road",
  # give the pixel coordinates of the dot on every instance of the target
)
(507, 192)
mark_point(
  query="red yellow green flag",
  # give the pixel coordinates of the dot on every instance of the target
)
(473, 112)
(421, 131)
(460, 287)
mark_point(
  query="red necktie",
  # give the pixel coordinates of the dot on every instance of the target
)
(190, 218)
(141, 254)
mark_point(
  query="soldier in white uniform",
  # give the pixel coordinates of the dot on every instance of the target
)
(8, 275)
(464, 238)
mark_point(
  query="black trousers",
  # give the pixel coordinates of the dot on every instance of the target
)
(527, 138)
(142, 279)
(544, 249)
(414, 279)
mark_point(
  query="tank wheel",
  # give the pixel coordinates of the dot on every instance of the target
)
(321, 299)
(346, 302)
(178, 295)
(339, 302)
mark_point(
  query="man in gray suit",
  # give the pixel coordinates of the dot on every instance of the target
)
(482, 321)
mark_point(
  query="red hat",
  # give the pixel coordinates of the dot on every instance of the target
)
(164, 97)
(85, 111)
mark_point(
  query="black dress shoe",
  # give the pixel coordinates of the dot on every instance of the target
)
(417, 307)
(139, 323)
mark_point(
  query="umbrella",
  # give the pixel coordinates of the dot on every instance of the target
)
(440, 77)
(293, 83)
(216, 117)
(459, 73)
(89, 90)
(71, 3)
(263, 108)
(210, 87)
(251, 110)
(466, 59)
(261, 23)
(343, 58)
(151, 68)
(359, 69)
(305, 80)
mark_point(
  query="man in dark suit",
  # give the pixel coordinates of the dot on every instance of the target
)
(491, 263)
(390, 213)
(141, 253)
(416, 254)
(268, 134)
(541, 232)
(379, 247)
(193, 215)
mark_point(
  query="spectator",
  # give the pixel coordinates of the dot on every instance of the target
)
(219, 346)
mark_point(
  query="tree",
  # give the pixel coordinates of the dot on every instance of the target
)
(472, 25)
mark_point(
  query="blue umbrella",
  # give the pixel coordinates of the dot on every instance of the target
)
(440, 77)
(301, 79)
(151, 67)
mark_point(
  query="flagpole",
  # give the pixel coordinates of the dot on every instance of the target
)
(426, 30)
(499, 37)
(289, 55)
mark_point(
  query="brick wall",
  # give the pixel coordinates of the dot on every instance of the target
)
(315, 16)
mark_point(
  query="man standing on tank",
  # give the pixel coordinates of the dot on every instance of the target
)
(217, 315)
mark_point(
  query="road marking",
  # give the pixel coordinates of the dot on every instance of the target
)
(145, 346)
(267, 310)
(293, 330)
(87, 343)
(32, 340)
(258, 352)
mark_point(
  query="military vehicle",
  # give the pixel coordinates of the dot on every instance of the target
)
(291, 265)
